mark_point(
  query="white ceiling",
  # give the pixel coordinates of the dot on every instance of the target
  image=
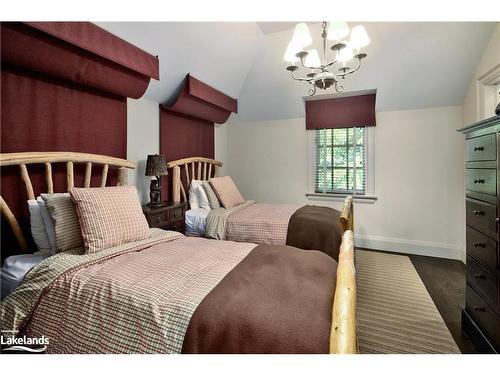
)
(276, 27)
(218, 53)
(412, 65)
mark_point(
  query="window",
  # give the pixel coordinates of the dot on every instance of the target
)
(342, 162)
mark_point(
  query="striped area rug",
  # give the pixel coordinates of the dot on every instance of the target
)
(395, 312)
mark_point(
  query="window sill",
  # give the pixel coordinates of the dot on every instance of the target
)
(367, 199)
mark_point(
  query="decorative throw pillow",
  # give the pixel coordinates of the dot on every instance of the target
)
(38, 227)
(212, 197)
(67, 228)
(109, 216)
(198, 196)
(227, 192)
(49, 225)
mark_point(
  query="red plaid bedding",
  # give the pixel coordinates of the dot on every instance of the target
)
(261, 223)
(129, 299)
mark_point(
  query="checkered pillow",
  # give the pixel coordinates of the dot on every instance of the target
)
(227, 192)
(109, 216)
(65, 220)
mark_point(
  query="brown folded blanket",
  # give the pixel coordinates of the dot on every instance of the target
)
(277, 300)
(316, 228)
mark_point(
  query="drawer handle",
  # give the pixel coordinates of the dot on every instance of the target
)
(479, 244)
(479, 181)
(479, 148)
(477, 212)
(481, 309)
(479, 276)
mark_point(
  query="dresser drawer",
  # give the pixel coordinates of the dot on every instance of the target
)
(481, 148)
(483, 315)
(481, 181)
(482, 248)
(157, 220)
(177, 226)
(482, 216)
(483, 281)
(176, 214)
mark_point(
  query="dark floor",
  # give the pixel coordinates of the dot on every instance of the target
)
(445, 282)
(444, 279)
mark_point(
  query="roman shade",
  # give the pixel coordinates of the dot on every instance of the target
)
(197, 99)
(187, 125)
(79, 52)
(347, 110)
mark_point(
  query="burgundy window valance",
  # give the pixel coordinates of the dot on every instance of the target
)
(341, 112)
(79, 52)
(202, 101)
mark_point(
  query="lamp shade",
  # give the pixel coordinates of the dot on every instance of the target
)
(359, 37)
(156, 165)
(312, 58)
(301, 36)
(345, 54)
(291, 51)
(337, 30)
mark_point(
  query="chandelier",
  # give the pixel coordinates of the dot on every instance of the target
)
(324, 74)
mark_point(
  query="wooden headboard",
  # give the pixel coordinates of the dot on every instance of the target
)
(48, 158)
(201, 169)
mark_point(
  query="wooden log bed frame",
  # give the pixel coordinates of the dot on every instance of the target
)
(343, 335)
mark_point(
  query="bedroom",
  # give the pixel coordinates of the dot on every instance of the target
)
(345, 168)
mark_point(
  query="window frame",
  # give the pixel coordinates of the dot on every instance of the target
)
(369, 196)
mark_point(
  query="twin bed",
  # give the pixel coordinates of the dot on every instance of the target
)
(306, 227)
(170, 293)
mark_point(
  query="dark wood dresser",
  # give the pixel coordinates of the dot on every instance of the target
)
(168, 216)
(481, 316)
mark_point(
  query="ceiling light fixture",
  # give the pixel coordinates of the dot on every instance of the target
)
(322, 73)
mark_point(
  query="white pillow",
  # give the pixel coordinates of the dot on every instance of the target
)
(198, 196)
(49, 225)
(37, 226)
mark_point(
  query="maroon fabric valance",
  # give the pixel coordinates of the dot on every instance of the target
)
(341, 112)
(79, 52)
(92, 38)
(202, 101)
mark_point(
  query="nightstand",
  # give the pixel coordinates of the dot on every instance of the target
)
(168, 216)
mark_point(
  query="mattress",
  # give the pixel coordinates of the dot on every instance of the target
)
(196, 220)
(15, 267)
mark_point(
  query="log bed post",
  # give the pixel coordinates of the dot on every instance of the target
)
(343, 332)
(176, 184)
(122, 176)
(343, 335)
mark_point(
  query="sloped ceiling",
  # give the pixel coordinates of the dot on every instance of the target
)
(412, 65)
(218, 53)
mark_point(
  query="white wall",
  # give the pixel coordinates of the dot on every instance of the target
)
(489, 60)
(143, 138)
(419, 177)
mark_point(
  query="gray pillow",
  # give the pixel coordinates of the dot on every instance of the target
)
(67, 227)
(212, 198)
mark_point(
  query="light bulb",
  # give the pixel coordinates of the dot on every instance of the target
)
(301, 36)
(337, 30)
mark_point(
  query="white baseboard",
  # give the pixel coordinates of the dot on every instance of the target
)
(399, 245)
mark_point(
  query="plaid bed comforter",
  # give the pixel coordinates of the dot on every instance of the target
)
(251, 222)
(133, 298)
